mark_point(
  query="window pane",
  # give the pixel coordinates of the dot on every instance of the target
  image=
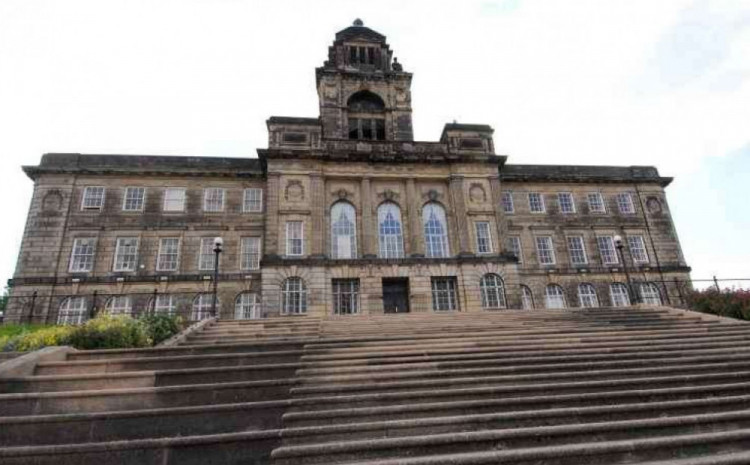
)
(625, 203)
(134, 199)
(545, 250)
(203, 306)
(637, 249)
(82, 255)
(213, 200)
(126, 254)
(554, 297)
(527, 298)
(174, 199)
(596, 203)
(484, 240)
(507, 201)
(607, 250)
(389, 231)
(253, 200)
(619, 294)
(514, 245)
(345, 296)
(294, 238)
(207, 256)
(492, 291)
(250, 253)
(72, 311)
(587, 296)
(444, 294)
(293, 297)
(576, 250)
(343, 231)
(536, 202)
(247, 307)
(169, 254)
(565, 199)
(435, 231)
(93, 198)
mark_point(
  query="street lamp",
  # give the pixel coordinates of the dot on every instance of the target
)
(218, 243)
(619, 245)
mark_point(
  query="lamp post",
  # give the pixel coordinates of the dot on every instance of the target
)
(218, 243)
(619, 245)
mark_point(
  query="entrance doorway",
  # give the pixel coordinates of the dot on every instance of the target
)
(396, 295)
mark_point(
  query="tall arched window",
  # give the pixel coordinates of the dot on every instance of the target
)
(435, 230)
(619, 294)
(587, 296)
(246, 307)
(72, 311)
(650, 294)
(554, 297)
(493, 291)
(163, 304)
(389, 231)
(527, 298)
(203, 305)
(366, 115)
(343, 231)
(119, 305)
(293, 296)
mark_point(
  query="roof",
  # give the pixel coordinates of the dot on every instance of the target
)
(355, 30)
(466, 127)
(294, 120)
(582, 173)
(144, 164)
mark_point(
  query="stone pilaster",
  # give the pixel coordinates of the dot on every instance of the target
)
(369, 222)
(459, 211)
(416, 239)
(497, 205)
(271, 245)
(317, 215)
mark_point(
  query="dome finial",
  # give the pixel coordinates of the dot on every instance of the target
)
(358, 22)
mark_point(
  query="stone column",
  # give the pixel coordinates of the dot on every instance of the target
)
(500, 219)
(416, 239)
(317, 215)
(369, 222)
(271, 236)
(459, 208)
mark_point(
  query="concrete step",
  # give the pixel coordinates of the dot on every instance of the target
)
(326, 411)
(255, 346)
(9, 355)
(513, 438)
(115, 365)
(712, 448)
(109, 400)
(135, 379)
(247, 448)
(323, 431)
(77, 428)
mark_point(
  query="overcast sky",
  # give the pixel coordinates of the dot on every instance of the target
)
(664, 83)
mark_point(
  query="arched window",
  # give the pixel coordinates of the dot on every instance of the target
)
(587, 296)
(619, 294)
(435, 230)
(203, 305)
(293, 297)
(389, 231)
(527, 298)
(72, 311)
(650, 294)
(246, 307)
(554, 296)
(366, 116)
(119, 305)
(493, 291)
(164, 304)
(343, 231)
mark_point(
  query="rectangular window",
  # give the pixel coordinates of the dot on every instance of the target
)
(536, 202)
(345, 296)
(82, 255)
(206, 258)
(134, 199)
(545, 250)
(577, 250)
(444, 298)
(253, 201)
(294, 238)
(484, 237)
(93, 198)
(174, 199)
(514, 245)
(596, 202)
(169, 254)
(607, 250)
(567, 205)
(507, 201)
(250, 253)
(213, 199)
(126, 254)
(625, 203)
(637, 249)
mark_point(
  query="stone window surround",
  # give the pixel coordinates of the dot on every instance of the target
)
(134, 203)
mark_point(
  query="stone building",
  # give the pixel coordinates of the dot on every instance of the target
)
(343, 214)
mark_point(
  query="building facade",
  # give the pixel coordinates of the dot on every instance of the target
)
(343, 214)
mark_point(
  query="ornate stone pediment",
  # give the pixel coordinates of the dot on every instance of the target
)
(389, 194)
(295, 191)
(477, 193)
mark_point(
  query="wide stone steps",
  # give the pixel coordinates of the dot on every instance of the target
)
(502, 387)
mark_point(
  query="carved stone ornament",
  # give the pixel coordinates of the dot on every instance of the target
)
(330, 91)
(433, 194)
(477, 193)
(389, 194)
(294, 191)
(52, 202)
(653, 205)
(342, 194)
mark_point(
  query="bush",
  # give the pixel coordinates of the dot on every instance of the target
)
(159, 328)
(733, 303)
(102, 332)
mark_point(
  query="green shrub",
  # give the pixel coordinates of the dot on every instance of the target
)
(159, 328)
(733, 303)
(50, 336)
(110, 332)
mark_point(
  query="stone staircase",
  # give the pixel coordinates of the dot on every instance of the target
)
(595, 386)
